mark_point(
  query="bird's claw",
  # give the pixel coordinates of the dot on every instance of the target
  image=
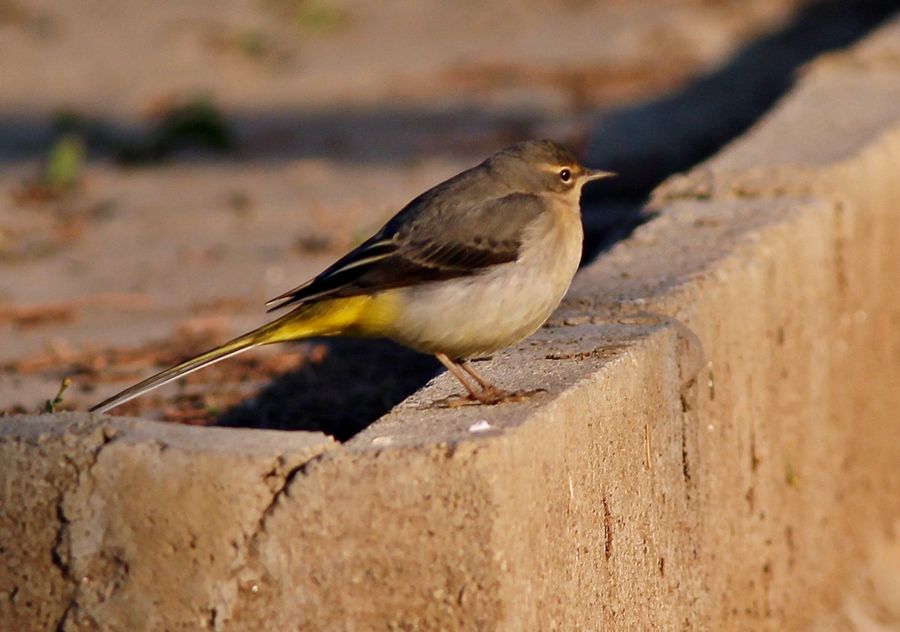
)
(488, 397)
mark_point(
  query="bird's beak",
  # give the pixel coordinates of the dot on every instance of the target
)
(597, 174)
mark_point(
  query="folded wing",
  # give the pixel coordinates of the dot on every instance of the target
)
(425, 244)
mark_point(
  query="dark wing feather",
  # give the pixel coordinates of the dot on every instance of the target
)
(338, 274)
(432, 239)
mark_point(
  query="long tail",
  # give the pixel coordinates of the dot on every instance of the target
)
(327, 318)
(233, 347)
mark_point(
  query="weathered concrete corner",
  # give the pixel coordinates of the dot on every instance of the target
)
(717, 447)
(126, 524)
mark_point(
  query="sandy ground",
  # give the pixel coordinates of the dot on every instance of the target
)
(317, 121)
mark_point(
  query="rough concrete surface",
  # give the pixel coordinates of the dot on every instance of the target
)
(128, 524)
(717, 447)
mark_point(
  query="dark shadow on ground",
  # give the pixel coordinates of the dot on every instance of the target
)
(359, 381)
(356, 382)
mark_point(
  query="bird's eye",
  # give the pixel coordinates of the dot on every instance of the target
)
(565, 175)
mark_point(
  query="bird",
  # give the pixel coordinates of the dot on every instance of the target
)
(471, 266)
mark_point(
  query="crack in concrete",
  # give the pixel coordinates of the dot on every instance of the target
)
(61, 554)
(248, 573)
(280, 490)
(607, 528)
(685, 462)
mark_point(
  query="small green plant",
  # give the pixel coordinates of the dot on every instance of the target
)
(252, 43)
(51, 405)
(59, 175)
(319, 17)
(64, 164)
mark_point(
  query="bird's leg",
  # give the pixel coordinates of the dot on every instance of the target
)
(489, 394)
(458, 373)
(495, 394)
(488, 390)
(468, 368)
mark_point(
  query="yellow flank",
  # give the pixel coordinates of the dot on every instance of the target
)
(354, 316)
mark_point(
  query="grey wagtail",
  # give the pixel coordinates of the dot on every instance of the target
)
(469, 267)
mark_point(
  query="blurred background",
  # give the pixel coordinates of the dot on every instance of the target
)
(167, 166)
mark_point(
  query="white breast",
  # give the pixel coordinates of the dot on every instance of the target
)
(480, 314)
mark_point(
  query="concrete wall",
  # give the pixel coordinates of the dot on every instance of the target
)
(718, 447)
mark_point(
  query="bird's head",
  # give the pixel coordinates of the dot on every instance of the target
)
(542, 167)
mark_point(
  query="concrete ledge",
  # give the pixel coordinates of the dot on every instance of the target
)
(121, 523)
(717, 449)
